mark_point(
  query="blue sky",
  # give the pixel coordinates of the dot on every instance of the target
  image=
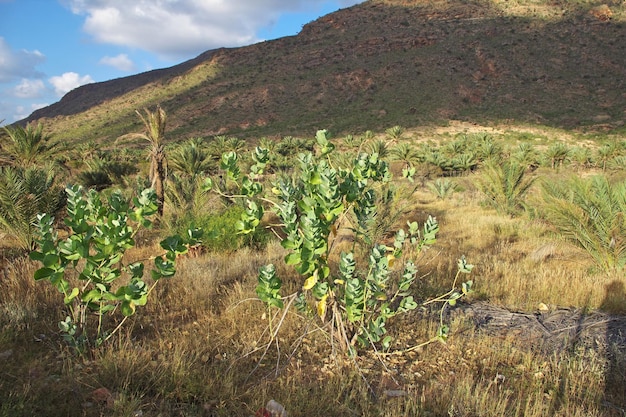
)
(49, 47)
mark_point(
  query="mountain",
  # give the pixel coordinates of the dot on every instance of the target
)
(382, 63)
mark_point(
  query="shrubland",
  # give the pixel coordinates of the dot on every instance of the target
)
(540, 215)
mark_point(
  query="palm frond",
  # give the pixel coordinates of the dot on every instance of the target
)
(591, 214)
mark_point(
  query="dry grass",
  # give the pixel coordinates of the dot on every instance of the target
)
(200, 345)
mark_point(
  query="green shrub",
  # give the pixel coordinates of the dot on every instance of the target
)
(88, 267)
(443, 188)
(355, 296)
(220, 230)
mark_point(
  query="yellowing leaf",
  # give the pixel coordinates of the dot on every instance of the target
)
(310, 282)
(381, 296)
(321, 307)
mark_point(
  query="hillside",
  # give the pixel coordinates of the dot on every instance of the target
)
(378, 64)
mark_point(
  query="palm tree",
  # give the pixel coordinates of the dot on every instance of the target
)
(406, 154)
(26, 146)
(154, 124)
(190, 158)
(464, 162)
(379, 147)
(25, 192)
(526, 155)
(443, 188)
(395, 133)
(582, 157)
(607, 152)
(505, 185)
(455, 148)
(489, 150)
(557, 154)
(590, 213)
(438, 159)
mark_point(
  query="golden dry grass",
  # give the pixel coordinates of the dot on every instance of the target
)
(201, 346)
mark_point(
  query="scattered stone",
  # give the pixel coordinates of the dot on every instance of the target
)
(275, 409)
(6, 354)
(543, 307)
(394, 393)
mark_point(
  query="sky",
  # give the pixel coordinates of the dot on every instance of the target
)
(50, 47)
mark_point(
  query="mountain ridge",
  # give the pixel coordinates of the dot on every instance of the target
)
(377, 64)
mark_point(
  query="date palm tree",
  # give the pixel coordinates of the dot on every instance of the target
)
(557, 154)
(590, 213)
(191, 158)
(405, 153)
(25, 192)
(26, 146)
(505, 185)
(154, 124)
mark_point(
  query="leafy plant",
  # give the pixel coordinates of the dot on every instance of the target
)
(505, 185)
(526, 155)
(591, 214)
(87, 267)
(443, 187)
(104, 170)
(191, 158)
(315, 207)
(464, 162)
(395, 132)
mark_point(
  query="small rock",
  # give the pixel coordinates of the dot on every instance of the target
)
(275, 409)
(101, 395)
(394, 393)
(6, 354)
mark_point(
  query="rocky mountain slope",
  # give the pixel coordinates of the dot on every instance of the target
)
(378, 64)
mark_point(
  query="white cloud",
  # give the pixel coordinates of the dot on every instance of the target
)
(68, 81)
(179, 28)
(22, 112)
(17, 64)
(29, 88)
(120, 62)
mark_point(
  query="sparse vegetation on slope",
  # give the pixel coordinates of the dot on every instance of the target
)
(380, 64)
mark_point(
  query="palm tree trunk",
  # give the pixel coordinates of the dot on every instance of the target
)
(158, 174)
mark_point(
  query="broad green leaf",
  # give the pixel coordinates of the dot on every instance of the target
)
(127, 308)
(43, 273)
(292, 258)
(68, 299)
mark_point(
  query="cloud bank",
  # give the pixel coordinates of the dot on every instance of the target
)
(67, 82)
(121, 62)
(175, 29)
(18, 64)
